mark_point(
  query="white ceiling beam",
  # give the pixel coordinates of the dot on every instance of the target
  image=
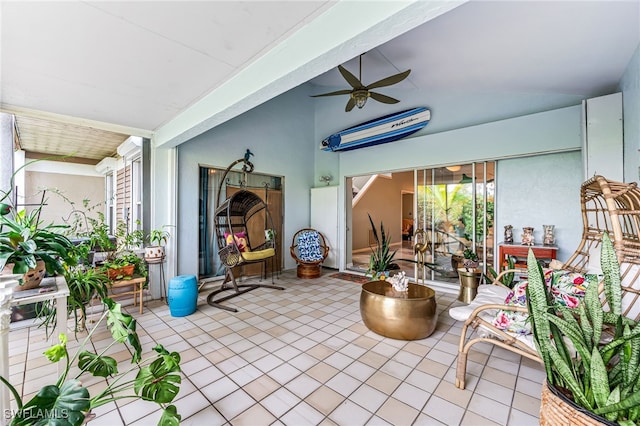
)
(344, 31)
(100, 125)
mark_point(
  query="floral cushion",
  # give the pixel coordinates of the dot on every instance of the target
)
(309, 249)
(240, 239)
(567, 289)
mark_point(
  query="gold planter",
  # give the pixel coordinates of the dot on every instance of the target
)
(469, 281)
(406, 315)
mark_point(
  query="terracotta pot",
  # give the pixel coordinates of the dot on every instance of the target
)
(123, 271)
(31, 279)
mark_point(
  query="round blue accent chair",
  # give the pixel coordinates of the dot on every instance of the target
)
(309, 249)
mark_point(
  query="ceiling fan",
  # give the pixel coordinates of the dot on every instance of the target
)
(360, 93)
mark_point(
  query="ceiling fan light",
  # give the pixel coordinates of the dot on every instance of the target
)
(360, 99)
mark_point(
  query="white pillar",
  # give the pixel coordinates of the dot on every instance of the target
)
(6, 152)
(7, 283)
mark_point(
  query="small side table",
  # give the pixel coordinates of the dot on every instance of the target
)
(138, 286)
(546, 253)
(50, 289)
(54, 288)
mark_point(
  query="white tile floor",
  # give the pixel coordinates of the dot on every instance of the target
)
(302, 356)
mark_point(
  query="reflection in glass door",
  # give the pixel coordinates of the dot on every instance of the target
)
(454, 215)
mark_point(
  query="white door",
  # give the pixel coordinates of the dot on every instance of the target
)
(324, 218)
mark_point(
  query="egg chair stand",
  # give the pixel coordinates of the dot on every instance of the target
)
(244, 232)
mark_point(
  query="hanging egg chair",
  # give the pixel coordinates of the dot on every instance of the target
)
(244, 230)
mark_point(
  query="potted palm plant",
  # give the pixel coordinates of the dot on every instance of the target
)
(591, 354)
(381, 257)
(157, 239)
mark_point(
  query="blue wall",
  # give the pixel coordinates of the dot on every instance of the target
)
(537, 138)
(278, 133)
(541, 190)
(449, 111)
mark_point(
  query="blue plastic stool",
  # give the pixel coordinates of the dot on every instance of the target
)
(182, 295)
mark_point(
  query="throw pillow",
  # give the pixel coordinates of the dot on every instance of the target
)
(240, 239)
(515, 322)
(567, 288)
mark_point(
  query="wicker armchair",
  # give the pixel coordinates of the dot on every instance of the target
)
(607, 206)
(309, 250)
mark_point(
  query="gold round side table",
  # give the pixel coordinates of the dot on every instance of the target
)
(409, 315)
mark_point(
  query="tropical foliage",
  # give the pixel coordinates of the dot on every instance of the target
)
(453, 201)
(84, 284)
(592, 353)
(508, 278)
(68, 402)
(24, 240)
(158, 237)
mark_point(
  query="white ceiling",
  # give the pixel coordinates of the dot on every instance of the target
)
(175, 69)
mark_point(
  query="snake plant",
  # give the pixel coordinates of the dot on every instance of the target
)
(381, 256)
(594, 351)
(508, 278)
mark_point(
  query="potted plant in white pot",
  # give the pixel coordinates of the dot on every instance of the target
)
(157, 238)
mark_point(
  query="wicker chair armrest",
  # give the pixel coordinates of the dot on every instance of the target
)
(293, 252)
(498, 280)
(476, 312)
(230, 255)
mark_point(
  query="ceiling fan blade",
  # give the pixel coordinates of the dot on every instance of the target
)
(338, 92)
(393, 79)
(350, 105)
(383, 98)
(351, 79)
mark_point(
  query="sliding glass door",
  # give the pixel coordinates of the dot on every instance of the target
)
(432, 215)
(454, 215)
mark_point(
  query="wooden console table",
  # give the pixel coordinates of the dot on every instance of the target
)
(137, 285)
(519, 251)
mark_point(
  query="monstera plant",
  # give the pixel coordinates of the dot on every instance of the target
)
(67, 402)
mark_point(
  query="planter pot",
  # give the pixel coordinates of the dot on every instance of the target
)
(154, 252)
(557, 409)
(469, 281)
(32, 278)
(119, 273)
